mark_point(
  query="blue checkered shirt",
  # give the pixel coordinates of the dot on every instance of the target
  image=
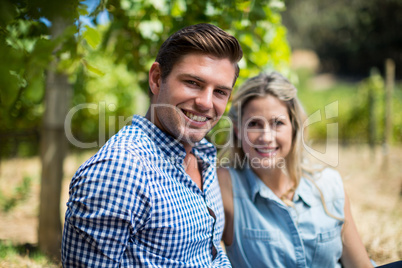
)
(133, 205)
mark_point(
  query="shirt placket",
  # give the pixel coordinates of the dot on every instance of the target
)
(206, 171)
(291, 220)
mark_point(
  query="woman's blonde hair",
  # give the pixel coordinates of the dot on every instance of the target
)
(278, 86)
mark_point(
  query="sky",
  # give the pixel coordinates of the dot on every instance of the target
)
(102, 18)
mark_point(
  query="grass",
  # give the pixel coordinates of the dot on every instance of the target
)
(374, 192)
(25, 255)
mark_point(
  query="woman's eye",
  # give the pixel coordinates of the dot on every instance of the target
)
(278, 123)
(252, 124)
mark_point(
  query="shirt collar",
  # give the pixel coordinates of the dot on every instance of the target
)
(172, 148)
(303, 192)
(258, 187)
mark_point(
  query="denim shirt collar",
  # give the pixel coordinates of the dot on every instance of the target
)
(258, 187)
(303, 192)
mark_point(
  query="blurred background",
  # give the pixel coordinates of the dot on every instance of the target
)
(72, 73)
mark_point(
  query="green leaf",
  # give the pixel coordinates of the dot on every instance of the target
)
(7, 13)
(92, 68)
(82, 9)
(92, 36)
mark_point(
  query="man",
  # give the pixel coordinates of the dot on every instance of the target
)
(149, 197)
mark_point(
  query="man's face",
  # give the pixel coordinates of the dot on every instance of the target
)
(193, 97)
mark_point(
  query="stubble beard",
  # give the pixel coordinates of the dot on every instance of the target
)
(174, 123)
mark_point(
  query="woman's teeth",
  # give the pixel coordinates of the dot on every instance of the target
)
(266, 151)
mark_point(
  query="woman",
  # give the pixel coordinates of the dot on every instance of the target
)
(279, 211)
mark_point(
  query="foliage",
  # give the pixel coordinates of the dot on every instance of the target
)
(26, 49)
(350, 37)
(138, 28)
(353, 108)
(108, 64)
(110, 96)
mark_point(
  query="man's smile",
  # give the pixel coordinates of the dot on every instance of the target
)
(196, 117)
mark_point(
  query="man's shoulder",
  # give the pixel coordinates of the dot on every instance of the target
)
(132, 138)
(129, 144)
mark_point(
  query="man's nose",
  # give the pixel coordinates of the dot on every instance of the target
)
(204, 99)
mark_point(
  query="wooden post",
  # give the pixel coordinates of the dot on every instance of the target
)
(53, 151)
(372, 129)
(389, 88)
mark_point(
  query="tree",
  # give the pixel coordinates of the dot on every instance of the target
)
(350, 37)
(57, 101)
(138, 28)
(42, 49)
(59, 54)
(53, 149)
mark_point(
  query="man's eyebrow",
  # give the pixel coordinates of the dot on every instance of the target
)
(195, 77)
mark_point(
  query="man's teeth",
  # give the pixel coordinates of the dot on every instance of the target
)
(195, 117)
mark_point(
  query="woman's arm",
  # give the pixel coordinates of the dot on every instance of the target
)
(225, 184)
(354, 253)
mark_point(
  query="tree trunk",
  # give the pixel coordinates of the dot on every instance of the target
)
(53, 151)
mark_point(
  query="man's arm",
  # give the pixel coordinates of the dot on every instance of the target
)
(108, 203)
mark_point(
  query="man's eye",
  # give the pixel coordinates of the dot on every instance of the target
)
(191, 82)
(221, 92)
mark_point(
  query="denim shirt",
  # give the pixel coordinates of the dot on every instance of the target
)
(267, 233)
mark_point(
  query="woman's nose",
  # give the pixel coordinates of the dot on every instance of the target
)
(267, 134)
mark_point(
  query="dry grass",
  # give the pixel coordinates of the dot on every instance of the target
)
(375, 195)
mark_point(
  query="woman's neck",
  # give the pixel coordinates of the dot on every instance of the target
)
(275, 179)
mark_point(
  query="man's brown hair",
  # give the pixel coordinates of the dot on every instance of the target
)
(201, 38)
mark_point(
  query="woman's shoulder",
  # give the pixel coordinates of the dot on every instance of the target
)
(330, 182)
(321, 173)
(329, 175)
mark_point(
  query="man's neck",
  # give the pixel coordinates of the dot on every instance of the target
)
(193, 168)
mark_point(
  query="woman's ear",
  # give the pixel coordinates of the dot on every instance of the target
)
(155, 78)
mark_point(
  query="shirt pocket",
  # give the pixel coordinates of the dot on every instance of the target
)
(262, 248)
(328, 249)
(256, 234)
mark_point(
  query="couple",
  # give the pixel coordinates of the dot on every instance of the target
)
(151, 198)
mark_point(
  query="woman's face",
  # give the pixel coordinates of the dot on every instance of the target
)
(266, 132)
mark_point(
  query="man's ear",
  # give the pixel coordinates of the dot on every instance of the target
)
(155, 78)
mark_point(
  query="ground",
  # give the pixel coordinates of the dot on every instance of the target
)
(373, 189)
